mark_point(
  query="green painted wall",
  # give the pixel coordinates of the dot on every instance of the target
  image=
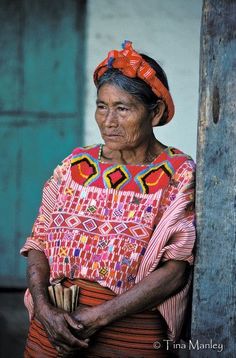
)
(41, 111)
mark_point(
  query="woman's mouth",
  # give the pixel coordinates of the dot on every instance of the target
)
(111, 135)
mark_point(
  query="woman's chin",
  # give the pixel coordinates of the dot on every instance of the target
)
(115, 142)
(116, 145)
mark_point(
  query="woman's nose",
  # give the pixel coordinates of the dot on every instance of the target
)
(111, 118)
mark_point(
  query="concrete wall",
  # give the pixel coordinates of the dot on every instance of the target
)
(167, 30)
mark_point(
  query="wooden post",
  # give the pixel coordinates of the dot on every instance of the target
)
(214, 292)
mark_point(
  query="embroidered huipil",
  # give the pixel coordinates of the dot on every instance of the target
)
(114, 224)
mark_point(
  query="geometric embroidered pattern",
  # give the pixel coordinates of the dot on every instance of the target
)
(90, 225)
(84, 169)
(105, 228)
(126, 261)
(139, 231)
(68, 236)
(92, 209)
(120, 228)
(151, 176)
(59, 220)
(103, 243)
(72, 221)
(129, 247)
(116, 177)
(118, 212)
(103, 271)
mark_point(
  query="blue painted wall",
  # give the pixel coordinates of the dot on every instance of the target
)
(42, 60)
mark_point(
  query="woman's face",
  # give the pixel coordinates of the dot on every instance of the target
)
(124, 122)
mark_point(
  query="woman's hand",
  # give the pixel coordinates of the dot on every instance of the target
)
(62, 329)
(91, 319)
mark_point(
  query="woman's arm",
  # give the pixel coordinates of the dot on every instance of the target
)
(148, 293)
(56, 322)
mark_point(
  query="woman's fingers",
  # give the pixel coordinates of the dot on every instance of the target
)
(73, 323)
(72, 341)
(77, 327)
(61, 335)
(60, 326)
(65, 351)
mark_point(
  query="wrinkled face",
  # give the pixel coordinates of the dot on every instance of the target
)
(124, 122)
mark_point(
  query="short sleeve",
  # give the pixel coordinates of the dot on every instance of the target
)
(37, 239)
(174, 234)
(182, 218)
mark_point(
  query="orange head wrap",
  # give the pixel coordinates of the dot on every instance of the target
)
(131, 64)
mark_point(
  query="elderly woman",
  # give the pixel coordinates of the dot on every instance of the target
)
(118, 222)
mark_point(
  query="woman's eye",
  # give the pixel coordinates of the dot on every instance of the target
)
(122, 109)
(101, 107)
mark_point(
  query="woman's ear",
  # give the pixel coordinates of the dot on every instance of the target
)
(158, 112)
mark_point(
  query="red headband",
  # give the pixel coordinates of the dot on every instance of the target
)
(131, 64)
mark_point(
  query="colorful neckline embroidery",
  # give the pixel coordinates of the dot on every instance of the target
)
(86, 169)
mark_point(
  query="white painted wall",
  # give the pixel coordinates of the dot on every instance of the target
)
(168, 31)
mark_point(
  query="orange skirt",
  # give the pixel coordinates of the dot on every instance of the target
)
(132, 336)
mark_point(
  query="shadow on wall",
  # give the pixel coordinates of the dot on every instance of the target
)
(13, 322)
